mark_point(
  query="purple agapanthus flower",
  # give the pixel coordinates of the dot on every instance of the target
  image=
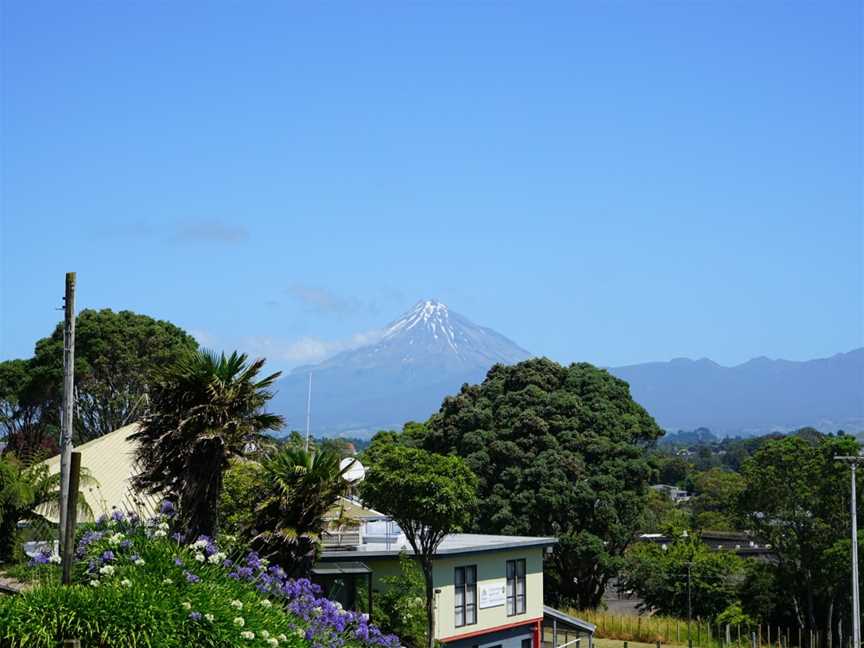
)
(195, 616)
(192, 578)
(118, 516)
(167, 508)
(107, 556)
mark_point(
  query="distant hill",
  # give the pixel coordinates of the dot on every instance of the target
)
(758, 396)
(430, 351)
(423, 356)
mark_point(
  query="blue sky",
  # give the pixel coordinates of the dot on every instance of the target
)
(610, 182)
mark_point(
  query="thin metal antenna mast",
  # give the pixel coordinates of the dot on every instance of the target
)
(308, 411)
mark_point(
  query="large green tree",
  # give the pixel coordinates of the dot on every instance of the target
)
(116, 358)
(297, 490)
(716, 494)
(205, 409)
(797, 498)
(664, 575)
(558, 451)
(29, 419)
(429, 496)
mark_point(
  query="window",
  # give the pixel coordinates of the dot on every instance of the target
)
(526, 643)
(515, 587)
(466, 595)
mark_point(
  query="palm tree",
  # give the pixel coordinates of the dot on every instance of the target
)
(31, 494)
(205, 409)
(301, 487)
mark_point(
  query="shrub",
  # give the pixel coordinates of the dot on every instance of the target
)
(400, 608)
(137, 586)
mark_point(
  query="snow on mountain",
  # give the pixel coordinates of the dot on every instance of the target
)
(420, 358)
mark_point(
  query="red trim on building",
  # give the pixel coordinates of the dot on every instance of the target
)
(534, 622)
(538, 633)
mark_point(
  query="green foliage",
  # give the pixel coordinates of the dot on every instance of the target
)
(29, 494)
(661, 513)
(241, 493)
(797, 499)
(428, 495)
(659, 577)
(399, 609)
(558, 451)
(297, 490)
(29, 408)
(136, 606)
(716, 495)
(205, 409)
(734, 615)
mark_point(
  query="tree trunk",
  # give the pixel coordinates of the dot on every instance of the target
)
(430, 603)
(828, 630)
(200, 501)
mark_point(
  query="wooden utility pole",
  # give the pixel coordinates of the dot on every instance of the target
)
(71, 516)
(68, 403)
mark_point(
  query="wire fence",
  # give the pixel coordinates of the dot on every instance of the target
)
(674, 631)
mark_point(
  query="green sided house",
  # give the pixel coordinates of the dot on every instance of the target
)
(488, 588)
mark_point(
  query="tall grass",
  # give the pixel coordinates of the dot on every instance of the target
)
(649, 629)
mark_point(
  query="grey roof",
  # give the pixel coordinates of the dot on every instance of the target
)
(340, 568)
(566, 619)
(455, 543)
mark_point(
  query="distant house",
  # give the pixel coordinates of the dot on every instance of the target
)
(674, 493)
(488, 588)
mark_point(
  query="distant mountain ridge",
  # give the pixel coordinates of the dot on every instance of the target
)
(430, 351)
(758, 396)
(421, 357)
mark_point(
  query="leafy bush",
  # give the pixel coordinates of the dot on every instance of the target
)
(136, 586)
(400, 608)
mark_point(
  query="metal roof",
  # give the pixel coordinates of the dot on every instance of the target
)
(111, 461)
(455, 543)
(326, 569)
(566, 619)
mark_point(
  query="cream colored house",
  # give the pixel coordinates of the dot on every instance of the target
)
(488, 588)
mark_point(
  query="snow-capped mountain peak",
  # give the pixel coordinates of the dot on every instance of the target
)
(428, 352)
(431, 316)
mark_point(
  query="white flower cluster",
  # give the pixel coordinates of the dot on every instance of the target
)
(217, 558)
(246, 634)
(106, 570)
(115, 539)
(239, 621)
(237, 604)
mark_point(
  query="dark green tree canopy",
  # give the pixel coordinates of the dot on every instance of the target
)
(797, 498)
(297, 490)
(557, 451)
(659, 575)
(116, 358)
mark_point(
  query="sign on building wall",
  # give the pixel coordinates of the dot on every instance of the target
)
(492, 593)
